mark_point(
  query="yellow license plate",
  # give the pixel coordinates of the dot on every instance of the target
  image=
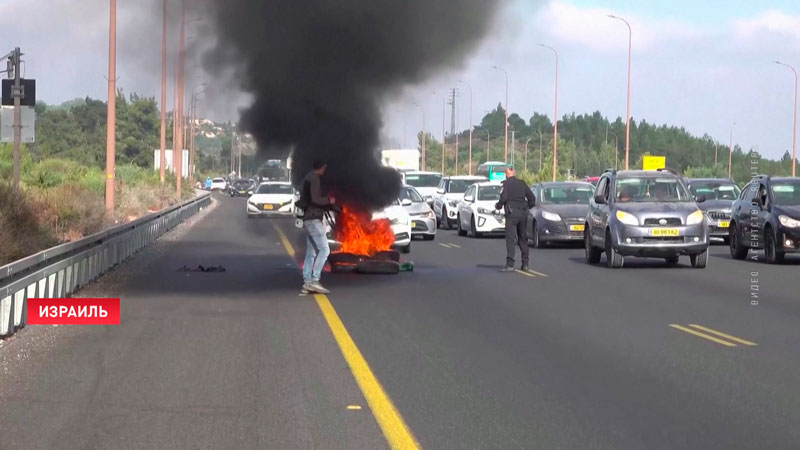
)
(576, 228)
(267, 206)
(724, 224)
(665, 232)
(413, 224)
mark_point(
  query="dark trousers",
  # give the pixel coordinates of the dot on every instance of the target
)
(516, 235)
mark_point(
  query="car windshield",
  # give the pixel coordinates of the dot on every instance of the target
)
(715, 190)
(241, 183)
(566, 195)
(410, 194)
(275, 189)
(423, 180)
(650, 189)
(218, 180)
(786, 193)
(489, 193)
(460, 186)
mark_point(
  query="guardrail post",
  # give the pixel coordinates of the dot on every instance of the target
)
(6, 316)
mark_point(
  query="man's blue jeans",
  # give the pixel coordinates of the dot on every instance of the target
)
(317, 250)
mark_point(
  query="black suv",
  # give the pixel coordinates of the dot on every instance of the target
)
(645, 213)
(767, 215)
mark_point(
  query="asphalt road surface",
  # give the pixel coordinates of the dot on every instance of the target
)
(453, 355)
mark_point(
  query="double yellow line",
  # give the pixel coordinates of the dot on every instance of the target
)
(713, 335)
(394, 428)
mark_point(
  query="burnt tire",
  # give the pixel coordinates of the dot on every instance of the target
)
(378, 267)
(387, 255)
(345, 258)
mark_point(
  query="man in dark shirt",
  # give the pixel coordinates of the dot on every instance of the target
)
(516, 199)
(317, 249)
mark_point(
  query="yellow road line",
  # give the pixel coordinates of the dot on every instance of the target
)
(702, 335)
(285, 240)
(719, 333)
(394, 428)
(538, 273)
(526, 273)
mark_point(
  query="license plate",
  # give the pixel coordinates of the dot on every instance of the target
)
(576, 228)
(413, 224)
(724, 224)
(267, 206)
(664, 232)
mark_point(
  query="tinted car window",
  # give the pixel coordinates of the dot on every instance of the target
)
(410, 194)
(423, 180)
(460, 186)
(275, 189)
(566, 195)
(714, 190)
(786, 193)
(489, 193)
(650, 189)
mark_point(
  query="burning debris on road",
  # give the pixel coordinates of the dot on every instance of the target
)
(366, 244)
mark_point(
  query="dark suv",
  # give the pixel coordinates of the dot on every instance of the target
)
(645, 213)
(767, 215)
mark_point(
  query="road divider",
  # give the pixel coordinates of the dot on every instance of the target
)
(713, 335)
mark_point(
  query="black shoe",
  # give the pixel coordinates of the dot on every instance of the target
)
(525, 269)
(506, 269)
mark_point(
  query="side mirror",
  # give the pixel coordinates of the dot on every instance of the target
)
(700, 198)
(440, 191)
(469, 199)
(599, 199)
(249, 192)
(406, 202)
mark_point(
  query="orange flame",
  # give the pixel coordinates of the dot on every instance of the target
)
(360, 235)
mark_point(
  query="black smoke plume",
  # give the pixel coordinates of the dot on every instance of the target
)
(318, 71)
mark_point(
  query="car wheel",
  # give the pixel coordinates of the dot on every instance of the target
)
(613, 259)
(771, 252)
(461, 230)
(738, 251)
(592, 252)
(672, 260)
(406, 250)
(537, 243)
(428, 237)
(699, 260)
(445, 222)
(474, 229)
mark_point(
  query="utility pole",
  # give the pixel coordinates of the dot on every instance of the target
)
(540, 149)
(470, 125)
(239, 147)
(513, 145)
(111, 131)
(730, 154)
(16, 92)
(526, 153)
(181, 80)
(163, 156)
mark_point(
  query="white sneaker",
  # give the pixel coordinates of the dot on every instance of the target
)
(318, 288)
(306, 289)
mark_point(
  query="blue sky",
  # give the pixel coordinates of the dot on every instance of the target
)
(701, 65)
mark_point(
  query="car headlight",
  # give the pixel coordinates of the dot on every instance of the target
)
(788, 222)
(551, 216)
(694, 218)
(485, 211)
(627, 218)
(429, 215)
(452, 203)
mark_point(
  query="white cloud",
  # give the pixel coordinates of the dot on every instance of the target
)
(772, 22)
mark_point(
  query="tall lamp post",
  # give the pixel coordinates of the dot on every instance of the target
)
(555, 112)
(505, 141)
(470, 124)
(794, 118)
(162, 157)
(526, 153)
(487, 145)
(628, 101)
(730, 152)
(423, 133)
(444, 137)
(111, 131)
(616, 149)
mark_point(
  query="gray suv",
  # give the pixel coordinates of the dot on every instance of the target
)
(645, 213)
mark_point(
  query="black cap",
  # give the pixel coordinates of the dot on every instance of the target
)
(318, 164)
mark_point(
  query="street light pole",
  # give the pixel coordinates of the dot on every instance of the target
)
(423, 133)
(163, 153)
(526, 154)
(111, 131)
(555, 113)
(470, 124)
(487, 145)
(730, 153)
(628, 101)
(180, 120)
(444, 138)
(794, 118)
(616, 150)
(505, 141)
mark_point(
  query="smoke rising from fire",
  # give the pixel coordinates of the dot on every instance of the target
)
(318, 71)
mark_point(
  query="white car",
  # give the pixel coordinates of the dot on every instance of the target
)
(424, 182)
(399, 220)
(218, 184)
(476, 213)
(271, 198)
(450, 191)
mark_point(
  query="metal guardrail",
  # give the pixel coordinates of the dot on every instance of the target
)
(59, 271)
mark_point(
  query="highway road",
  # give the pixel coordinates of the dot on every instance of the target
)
(451, 356)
